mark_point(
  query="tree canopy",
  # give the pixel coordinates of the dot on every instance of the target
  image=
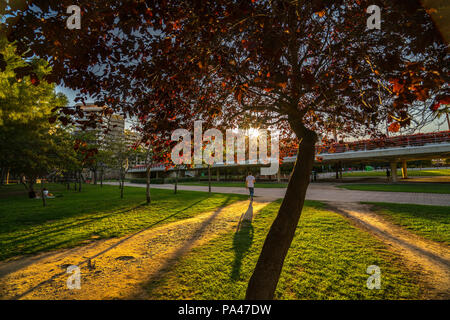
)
(255, 58)
(30, 145)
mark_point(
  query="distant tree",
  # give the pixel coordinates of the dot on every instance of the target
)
(30, 145)
(154, 147)
(86, 146)
(123, 152)
(148, 168)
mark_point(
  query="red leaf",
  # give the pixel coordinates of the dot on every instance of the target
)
(398, 86)
(394, 127)
(445, 100)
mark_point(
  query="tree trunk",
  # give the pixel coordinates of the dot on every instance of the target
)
(101, 178)
(79, 181)
(448, 121)
(95, 176)
(149, 200)
(30, 186)
(337, 170)
(122, 178)
(176, 181)
(4, 176)
(42, 193)
(265, 277)
(209, 178)
(66, 181)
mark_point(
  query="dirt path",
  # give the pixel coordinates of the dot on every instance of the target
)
(120, 268)
(430, 259)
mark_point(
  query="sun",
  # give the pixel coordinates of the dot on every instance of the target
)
(253, 132)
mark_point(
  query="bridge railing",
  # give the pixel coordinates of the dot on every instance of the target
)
(414, 140)
(390, 142)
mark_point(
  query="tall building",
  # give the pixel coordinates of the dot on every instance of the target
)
(111, 127)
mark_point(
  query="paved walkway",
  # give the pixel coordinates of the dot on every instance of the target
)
(324, 192)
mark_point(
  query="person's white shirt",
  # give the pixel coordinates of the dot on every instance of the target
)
(250, 181)
(45, 193)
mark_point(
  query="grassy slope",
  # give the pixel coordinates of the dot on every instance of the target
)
(431, 222)
(236, 184)
(73, 218)
(327, 260)
(411, 173)
(443, 188)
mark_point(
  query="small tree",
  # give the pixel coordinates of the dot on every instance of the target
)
(148, 168)
(123, 149)
(86, 146)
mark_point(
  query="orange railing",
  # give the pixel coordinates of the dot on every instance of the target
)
(413, 140)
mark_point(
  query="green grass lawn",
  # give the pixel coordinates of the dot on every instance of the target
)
(411, 173)
(431, 222)
(73, 218)
(443, 188)
(236, 184)
(328, 259)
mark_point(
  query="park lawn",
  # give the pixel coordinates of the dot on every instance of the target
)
(443, 188)
(430, 222)
(411, 173)
(74, 218)
(236, 184)
(328, 259)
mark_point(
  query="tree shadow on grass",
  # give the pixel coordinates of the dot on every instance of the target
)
(104, 251)
(158, 278)
(61, 225)
(242, 241)
(37, 237)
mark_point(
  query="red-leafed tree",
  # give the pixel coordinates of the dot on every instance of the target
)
(312, 66)
(156, 152)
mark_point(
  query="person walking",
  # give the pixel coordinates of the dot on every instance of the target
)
(250, 183)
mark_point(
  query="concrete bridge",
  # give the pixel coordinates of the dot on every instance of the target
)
(392, 149)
